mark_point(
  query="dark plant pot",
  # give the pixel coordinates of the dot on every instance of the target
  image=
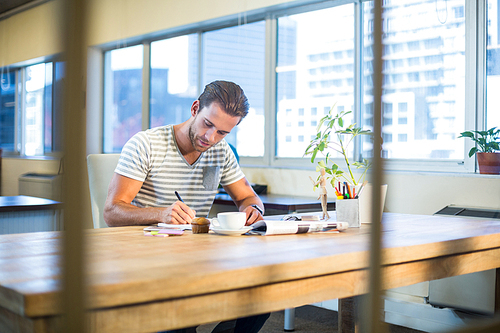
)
(489, 163)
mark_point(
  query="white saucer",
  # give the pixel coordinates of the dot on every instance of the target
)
(231, 232)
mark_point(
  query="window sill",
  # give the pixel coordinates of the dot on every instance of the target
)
(458, 174)
(34, 158)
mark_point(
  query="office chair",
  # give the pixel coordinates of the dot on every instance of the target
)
(233, 148)
(100, 168)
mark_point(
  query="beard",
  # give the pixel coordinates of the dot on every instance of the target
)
(194, 140)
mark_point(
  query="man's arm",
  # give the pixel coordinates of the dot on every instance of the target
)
(118, 210)
(244, 197)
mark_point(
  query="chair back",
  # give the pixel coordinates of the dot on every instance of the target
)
(101, 168)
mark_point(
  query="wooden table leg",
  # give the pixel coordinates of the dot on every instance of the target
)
(347, 314)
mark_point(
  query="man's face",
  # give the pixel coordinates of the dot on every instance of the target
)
(210, 125)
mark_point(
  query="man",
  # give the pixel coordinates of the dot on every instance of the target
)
(191, 158)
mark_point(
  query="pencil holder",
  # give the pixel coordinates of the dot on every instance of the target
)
(348, 211)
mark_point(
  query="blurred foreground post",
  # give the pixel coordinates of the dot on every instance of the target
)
(74, 119)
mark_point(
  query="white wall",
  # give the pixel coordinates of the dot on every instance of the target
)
(37, 32)
(31, 34)
(114, 20)
(13, 168)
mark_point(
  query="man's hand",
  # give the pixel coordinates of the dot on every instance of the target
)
(244, 197)
(179, 213)
(119, 211)
(253, 215)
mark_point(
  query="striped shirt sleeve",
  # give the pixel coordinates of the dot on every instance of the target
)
(135, 158)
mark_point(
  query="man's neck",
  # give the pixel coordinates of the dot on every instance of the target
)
(181, 132)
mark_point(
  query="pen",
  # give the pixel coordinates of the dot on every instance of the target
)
(178, 196)
(361, 188)
(349, 194)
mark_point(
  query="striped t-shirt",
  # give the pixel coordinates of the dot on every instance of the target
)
(152, 157)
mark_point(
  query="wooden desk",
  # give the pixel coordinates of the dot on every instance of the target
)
(139, 283)
(21, 203)
(23, 213)
(279, 204)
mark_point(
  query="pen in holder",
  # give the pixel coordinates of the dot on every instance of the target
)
(348, 211)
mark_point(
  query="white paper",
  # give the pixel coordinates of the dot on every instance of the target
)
(175, 226)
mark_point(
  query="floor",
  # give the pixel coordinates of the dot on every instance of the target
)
(308, 319)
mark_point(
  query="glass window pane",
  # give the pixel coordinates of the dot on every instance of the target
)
(122, 96)
(48, 108)
(315, 71)
(7, 109)
(424, 78)
(174, 79)
(34, 112)
(493, 65)
(238, 54)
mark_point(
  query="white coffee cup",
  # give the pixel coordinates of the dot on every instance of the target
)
(230, 220)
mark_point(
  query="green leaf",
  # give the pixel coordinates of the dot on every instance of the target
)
(321, 122)
(314, 155)
(307, 152)
(482, 133)
(331, 109)
(467, 134)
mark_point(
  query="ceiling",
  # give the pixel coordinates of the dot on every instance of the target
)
(8, 5)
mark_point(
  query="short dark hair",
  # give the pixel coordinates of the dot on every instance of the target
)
(228, 95)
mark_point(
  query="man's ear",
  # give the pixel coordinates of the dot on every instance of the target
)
(195, 107)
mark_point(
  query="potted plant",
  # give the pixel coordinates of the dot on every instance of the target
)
(333, 135)
(487, 143)
(332, 126)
